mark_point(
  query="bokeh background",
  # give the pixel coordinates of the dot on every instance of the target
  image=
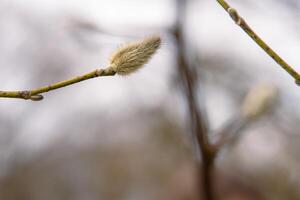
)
(128, 138)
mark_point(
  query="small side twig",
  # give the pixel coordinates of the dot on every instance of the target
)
(127, 59)
(228, 133)
(242, 23)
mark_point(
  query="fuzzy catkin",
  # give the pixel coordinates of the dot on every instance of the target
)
(258, 100)
(132, 56)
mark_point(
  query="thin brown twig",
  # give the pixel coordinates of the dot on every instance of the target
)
(228, 133)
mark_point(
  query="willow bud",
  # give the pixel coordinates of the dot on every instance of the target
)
(132, 56)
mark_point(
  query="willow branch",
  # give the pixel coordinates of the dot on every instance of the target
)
(242, 23)
(127, 59)
(35, 93)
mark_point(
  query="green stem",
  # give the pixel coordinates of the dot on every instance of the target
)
(35, 93)
(242, 23)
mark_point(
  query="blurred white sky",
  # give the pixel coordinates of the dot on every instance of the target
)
(209, 26)
(110, 12)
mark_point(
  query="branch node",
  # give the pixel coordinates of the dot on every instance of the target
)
(25, 94)
(235, 15)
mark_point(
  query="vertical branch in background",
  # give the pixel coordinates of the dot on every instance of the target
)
(255, 103)
(199, 128)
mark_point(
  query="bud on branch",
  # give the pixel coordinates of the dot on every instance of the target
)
(127, 59)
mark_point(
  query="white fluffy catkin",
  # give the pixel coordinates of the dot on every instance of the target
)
(132, 56)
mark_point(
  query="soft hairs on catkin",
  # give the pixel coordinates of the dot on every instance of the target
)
(132, 56)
